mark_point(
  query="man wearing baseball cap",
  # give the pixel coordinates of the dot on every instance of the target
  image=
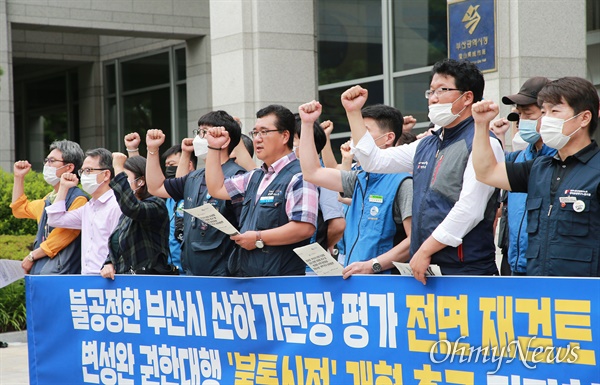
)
(529, 116)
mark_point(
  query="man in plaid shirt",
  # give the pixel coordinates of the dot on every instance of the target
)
(279, 208)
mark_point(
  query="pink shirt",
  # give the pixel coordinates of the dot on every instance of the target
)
(96, 219)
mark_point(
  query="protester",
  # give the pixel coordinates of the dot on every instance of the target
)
(205, 250)
(56, 250)
(97, 218)
(380, 202)
(563, 210)
(279, 208)
(454, 228)
(140, 242)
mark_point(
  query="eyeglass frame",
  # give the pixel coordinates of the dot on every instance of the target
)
(86, 171)
(254, 134)
(197, 131)
(52, 160)
(439, 91)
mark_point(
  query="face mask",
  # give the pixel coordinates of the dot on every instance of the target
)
(518, 143)
(50, 175)
(441, 114)
(551, 131)
(170, 172)
(528, 130)
(200, 147)
(89, 183)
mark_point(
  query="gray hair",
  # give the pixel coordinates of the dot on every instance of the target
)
(104, 159)
(71, 152)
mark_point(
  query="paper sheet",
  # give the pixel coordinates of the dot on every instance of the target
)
(10, 271)
(211, 216)
(404, 268)
(318, 259)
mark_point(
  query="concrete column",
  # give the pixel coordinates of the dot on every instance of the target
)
(7, 124)
(90, 106)
(198, 80)
(263, 52)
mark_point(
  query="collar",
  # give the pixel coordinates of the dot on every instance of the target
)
(106, 196)
(449, 133)
(279, 164)
(583, 155)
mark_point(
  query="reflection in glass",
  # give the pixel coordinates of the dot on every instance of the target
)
(409, 95)
(145, 72)
(420, 33)
(350, 42)
(180, 63)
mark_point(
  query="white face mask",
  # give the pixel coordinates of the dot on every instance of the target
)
(441, 113)
(551, 131)
(89, 183)
(518, 144)
(50, 175)
(200, 147)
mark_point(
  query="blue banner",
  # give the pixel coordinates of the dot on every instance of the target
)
(472, 32)
(368, 330)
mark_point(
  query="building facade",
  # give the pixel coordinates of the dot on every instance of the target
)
(94, 70)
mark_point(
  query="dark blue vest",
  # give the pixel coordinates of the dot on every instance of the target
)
(265, 213)
(563, 241)
(438, 171)
(206, 250)
(68, 260)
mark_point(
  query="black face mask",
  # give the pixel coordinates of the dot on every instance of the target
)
(170, 172)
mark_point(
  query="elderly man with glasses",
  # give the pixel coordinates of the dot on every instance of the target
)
(56, 250)
(97, 218)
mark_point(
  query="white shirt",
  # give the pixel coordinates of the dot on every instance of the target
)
(467, 212)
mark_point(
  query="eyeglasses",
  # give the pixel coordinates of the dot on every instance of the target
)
(87, 171)
(200, 132)
(439, 92)
(260, 134)
(52, 160)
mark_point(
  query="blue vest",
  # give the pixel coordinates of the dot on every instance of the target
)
(438, 171)
(370, 221)
(206, 250)
(563, 241)
(517, 220)
(66, 261)
(173, 208)
(268, 212)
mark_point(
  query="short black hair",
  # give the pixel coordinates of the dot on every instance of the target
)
(467, 77)
(248, 144)
(319, 133)
(137, 165)
(284, 120)
(388, 118)
(221, 118)
(104, 159)
(176, 149)
(579, 93)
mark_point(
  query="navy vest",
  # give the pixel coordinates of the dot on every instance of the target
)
(66, 261)
(438, 171)
(206, 250)
(268, 212)
(563, 236)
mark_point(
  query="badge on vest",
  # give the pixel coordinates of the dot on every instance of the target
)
(567, 200)
(374, 211)
(375, 198)
(267, 199)
(578, 206)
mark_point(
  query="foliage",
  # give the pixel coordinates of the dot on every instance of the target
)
(35, 188)
(12, 297)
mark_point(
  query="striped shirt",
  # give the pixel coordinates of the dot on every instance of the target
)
(302, 200)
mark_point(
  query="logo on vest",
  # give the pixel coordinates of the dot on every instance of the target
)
(374, 211)
(577, 192)
(422, 165)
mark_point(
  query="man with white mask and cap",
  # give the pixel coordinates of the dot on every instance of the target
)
(97, 218)
(563, 191)
(204, 250)
(530, 117)
(55, 251)
(453, 213)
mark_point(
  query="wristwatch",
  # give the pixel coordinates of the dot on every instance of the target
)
(259, 242)
(376, 266)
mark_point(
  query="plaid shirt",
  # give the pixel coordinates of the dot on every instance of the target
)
(302, 199)
(142, 232)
